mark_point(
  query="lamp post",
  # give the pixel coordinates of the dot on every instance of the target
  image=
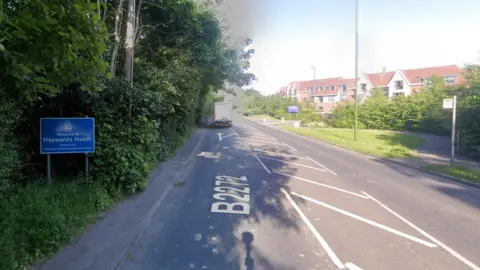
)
(355, 131)
(314, 70)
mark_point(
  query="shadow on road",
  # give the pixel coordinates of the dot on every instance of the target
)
(227, 239)
(465, 194)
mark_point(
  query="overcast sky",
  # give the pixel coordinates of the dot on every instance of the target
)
(290, 36)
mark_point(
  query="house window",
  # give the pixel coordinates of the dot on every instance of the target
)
(399, 85)
(343, 97)
(417, 80)
(331, 87)
(450, 79)
(363, 86)
(331, 99)
(320, 88)
(401, 94)
(320, 108)
(310, 90)
(343, 87)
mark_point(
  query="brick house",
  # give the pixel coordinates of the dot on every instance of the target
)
(408, 81)
(326, 94)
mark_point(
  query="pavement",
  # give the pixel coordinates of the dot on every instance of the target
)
(254, 197)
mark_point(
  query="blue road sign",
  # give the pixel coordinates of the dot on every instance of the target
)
(292, 109)
(67, 135)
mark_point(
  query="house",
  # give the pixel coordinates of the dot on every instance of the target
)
(408, 81)
(282, 92)
(326, 94)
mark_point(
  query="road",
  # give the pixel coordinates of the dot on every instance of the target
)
(255, 197)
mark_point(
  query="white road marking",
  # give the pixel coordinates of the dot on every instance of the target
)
(281, 154)
(371, 222)
(232, 134)
(352, 266)
(323, 185)
(255, 141)
(263, 165)
(431, 238)
(263, 137)
(290, 147)
(297, 164)
(264, 144)
(317, 235)
(330, 171)
(219, 136)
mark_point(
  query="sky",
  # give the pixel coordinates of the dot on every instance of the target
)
(291, 36)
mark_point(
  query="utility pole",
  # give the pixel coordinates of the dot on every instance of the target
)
(454, 118)
(314, 71)
(355, 131)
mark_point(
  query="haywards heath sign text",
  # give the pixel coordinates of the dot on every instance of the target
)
(67, 135)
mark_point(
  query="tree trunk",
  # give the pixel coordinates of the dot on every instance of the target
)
(129, 41)
(118, 19)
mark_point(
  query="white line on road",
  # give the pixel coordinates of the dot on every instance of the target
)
(317, 235)
(263, 165)
(229, 135)
(431, 238)
(330, 171)
(255, 140)
(371, 222)
(280, 154)
(265, 144)
(323, 185)
(262, 137)
(290, 147)
(297, 164)
(352, 266)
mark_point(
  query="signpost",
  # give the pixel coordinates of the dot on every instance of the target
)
(451, 103)
(66, 136)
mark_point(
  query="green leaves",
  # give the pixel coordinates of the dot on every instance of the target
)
(61, 47)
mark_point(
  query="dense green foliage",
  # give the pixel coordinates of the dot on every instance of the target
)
(422, 112)
(67, 59)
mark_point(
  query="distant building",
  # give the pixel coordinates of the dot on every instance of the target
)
(326, 94)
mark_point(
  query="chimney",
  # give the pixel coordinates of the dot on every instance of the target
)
(384, 69)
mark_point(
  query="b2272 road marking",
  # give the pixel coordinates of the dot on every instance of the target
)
(232, 195)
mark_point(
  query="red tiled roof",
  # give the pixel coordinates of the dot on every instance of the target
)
(283, 90)
(380, 79)
(424, 73)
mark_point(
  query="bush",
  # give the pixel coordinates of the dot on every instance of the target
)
(37, 219)
(9, 149)
(127, 145)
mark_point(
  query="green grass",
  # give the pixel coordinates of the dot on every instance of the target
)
(373, 142)
(261, 116)
(456, 171)
(37, 220)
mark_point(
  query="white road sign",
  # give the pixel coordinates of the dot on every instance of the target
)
(448, 103)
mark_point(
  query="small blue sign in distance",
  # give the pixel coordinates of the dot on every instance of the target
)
(67, 135)
(293, 109)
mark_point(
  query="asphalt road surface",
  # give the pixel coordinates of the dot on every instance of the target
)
(255, 197)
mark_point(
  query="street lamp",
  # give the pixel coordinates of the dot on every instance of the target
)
(314, 69)
(355, 131)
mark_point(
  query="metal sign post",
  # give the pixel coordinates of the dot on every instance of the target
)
(452, 104)
(49, 172)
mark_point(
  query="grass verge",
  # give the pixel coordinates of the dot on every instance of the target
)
(456, 171)
(38, 219)
(373, 142)
(261, 116)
